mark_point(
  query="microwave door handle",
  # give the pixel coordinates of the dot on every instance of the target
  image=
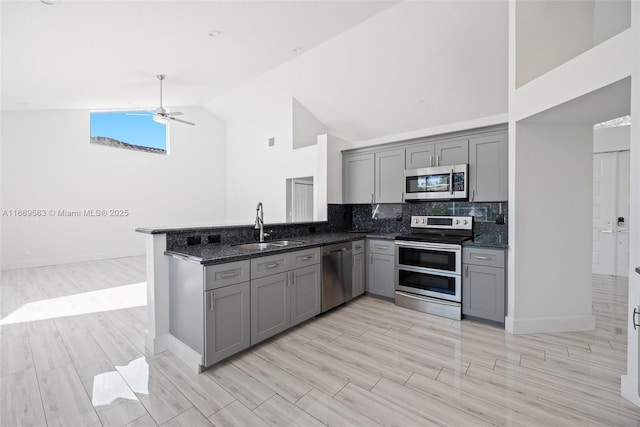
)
(451, 181)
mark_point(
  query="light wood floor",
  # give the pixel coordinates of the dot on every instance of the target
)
(368, 363)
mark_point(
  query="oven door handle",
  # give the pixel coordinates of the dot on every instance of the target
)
(423, 245)
(430, 271)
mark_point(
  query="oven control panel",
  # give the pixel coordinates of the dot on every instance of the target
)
(443, 222)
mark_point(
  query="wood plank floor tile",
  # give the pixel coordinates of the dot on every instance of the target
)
(143, 421)
(48, 351)
(15, 354)
(20, 401)
(280, 381)
(278, 411)
(236, 414)
(159, 396)
(380, 409)
(205, 394)
(240, 385)
(332, 412)
(65, 401)
(113, 400)
(189, 418)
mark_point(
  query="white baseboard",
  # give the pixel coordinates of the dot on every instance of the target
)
(549, 324)
(156, 345)
(55, 260)
(192, 358)
(629, 389)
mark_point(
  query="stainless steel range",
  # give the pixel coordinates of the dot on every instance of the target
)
(429, 264)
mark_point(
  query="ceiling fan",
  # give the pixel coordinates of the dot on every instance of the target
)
(161, 115)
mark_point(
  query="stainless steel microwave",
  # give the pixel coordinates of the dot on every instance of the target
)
(437, 183)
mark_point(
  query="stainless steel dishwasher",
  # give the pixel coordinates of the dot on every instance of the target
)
(336, 274)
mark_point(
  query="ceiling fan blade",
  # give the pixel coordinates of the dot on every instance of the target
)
(139, 114)
(181, 121)
(175, 113)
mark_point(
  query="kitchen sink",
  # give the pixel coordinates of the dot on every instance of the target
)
(275, 244)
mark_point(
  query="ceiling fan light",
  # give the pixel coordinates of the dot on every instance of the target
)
(160, 119)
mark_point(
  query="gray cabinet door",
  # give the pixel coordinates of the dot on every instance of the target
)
(357, 275)
(389, 176)
(227, 322)
(419, 156)
(452, 152)
(483, 292)
(381, 275)
(270, 306)
(489, 168)
(305, 293)
(357, 178)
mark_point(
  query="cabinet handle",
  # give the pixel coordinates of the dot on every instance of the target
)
(437, 160)
(451, 181)
(473, 195)
(466, 270)
(384, 248)
(357, 247)
(371, 258)
(229, 274)
(482, 257)
(272, 265)
(430, 160)
(371, 198)
(402, 197)
(288, 279)
(211, 301)
(293, 277)
(635, 325)
(307, 258)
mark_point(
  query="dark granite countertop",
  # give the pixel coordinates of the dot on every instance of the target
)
(493, 241)
(222, 253)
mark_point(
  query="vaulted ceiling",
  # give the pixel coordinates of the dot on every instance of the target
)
(364, 68)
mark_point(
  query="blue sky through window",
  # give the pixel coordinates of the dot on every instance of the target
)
(130, 127)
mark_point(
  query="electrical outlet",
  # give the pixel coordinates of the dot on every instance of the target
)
(272, 142)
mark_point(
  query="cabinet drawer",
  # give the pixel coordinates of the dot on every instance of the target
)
(482, 256)
(217, 276)
(383, 247)
(268, 265)
(305, 258)
(358, 247)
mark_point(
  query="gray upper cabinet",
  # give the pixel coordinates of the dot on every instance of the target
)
(443, 153)
(227, 322)
(357, 178)
(489, 168)
(389, 176)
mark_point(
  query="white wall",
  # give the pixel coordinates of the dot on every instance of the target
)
(552, 233)
(611, 139)
(48, 163)
(260, 172)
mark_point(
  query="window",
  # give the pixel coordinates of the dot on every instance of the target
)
(131, 130)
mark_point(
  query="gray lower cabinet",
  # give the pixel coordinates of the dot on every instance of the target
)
(209, 307)
(227, 322)
(270, 306)
(381, 268)
(483, 283)
(358, 269)
(489, 168)
(284, 299)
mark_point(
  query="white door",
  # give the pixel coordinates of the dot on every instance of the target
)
(302, 201)
(611, 213)
(604, 206)
(623, 194)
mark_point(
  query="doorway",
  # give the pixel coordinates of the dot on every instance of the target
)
(611, 213)
(300, 199)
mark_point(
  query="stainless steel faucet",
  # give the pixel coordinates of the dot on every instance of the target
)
(260, 221)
